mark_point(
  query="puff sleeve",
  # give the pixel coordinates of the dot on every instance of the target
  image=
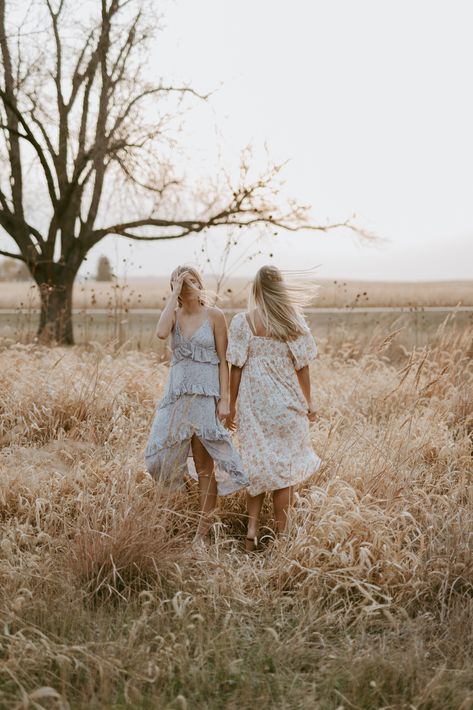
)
(303, 349)
(238, 340)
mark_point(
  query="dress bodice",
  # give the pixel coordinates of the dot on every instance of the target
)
(200, 347)
(269, 349)
(194, 364)
(244, 345)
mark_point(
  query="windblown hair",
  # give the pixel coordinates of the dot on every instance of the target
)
(280, 302)
(205, 298)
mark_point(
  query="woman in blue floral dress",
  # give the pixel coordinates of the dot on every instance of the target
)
(189, 417)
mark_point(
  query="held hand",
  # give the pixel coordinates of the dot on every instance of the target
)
(230, 422)
(311, 413)
(223, 410)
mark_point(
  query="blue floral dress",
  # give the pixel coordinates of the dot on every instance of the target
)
(189, 407)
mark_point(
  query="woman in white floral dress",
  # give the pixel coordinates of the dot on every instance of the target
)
(269, 349)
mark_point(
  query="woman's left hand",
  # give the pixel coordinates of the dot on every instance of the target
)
(223, 409)
(230, 422)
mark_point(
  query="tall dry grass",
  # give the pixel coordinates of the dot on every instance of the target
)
(368, 603)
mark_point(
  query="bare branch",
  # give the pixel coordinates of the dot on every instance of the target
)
(78, 77)
(14, 150)
(101, 123)
(29, 136)
(156, 237)
(12, 223)
(13, 131)
(62, 109)
(186, 227)
(157, 189)
(90, 73)
(4, 202)
(10, 255)
(58, 76)
(119, 68)
(152, 92)
(44, 133)
(193, 227)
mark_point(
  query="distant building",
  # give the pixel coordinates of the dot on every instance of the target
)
(104, 269)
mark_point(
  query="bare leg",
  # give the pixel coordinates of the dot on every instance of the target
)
(254, 505)
(282, 500)
(204, 466)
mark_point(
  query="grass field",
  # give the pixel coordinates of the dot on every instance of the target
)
(367, 604)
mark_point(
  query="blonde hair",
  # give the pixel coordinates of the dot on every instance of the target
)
(205, 297)
(280, 302)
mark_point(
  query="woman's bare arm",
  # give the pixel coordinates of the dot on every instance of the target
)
(221, 342)
(168, 315)
(166, 319)
(303, 375)
(235, 378)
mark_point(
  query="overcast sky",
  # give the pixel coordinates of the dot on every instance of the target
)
(372, 102)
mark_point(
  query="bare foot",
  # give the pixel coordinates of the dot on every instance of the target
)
(251, 544)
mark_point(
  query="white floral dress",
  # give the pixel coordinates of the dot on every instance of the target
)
(273, 428)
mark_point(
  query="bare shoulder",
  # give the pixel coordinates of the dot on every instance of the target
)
(216, 316)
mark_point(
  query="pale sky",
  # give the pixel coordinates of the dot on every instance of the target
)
(372, 102)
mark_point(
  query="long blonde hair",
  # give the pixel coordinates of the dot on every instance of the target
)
(204, 297)
(280, 302)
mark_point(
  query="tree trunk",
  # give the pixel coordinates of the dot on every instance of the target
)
(55, 321)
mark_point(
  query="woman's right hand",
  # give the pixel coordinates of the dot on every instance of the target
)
(178, 282)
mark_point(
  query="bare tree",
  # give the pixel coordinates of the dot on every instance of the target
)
(83, 134)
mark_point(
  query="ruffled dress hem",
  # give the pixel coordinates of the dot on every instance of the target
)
(186, 388)
(254, 490)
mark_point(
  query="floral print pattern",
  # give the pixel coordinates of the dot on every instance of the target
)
(273, 428)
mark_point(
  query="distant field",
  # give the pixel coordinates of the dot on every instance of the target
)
(151, 293)
(125, 314)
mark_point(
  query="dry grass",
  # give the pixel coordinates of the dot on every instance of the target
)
(341, 293)
(367, 604)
